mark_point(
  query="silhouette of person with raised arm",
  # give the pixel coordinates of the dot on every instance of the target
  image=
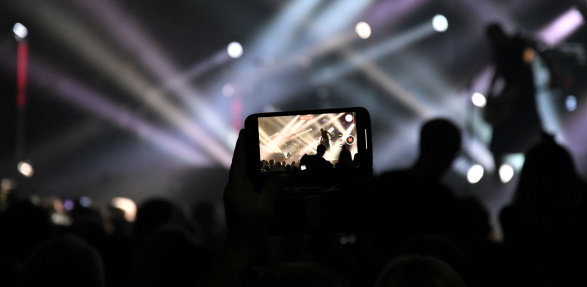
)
(512, 110)
(249, 215)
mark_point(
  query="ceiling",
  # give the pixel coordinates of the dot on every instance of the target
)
(139, 98)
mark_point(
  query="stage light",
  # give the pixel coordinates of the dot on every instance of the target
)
(127, 205)
(363, 30)
(68, 204)
(7, 184)
(348, 118)
(228, 90)
(440, 23)
(562, 27)
(479, 100)
(506, 173)
(20, 31)
(85, 201)
(475, 173)
(571, 103)
(235, 50)
(25, 168)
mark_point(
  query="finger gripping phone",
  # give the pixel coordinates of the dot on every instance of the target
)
(322, 150)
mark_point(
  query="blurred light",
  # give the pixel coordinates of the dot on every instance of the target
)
(25, 168)
(571, 103)
(479, 100)
(475, 173)
(127, 205)
(68, 204)
(7, 184)
(228, 90)
(347, 239)
(561, 27)
(58, 205)
(235, 50)
(348, 118)
(98, 104)
(20, 31)
(343, 240)
(440, 23)
(85, 201)
(363, 30)
(61, 219)
(506, 173)
(35, 199)
(516, 160)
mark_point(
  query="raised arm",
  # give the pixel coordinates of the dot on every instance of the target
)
(249, 213)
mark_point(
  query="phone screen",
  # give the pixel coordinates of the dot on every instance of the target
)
(285, 139)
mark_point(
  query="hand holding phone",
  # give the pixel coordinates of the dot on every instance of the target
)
(249, 211)
(328, 157)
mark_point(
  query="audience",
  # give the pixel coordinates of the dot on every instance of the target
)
(414, 201)
(545, 226)
(65, 260)
(416, 233)
(419, 271)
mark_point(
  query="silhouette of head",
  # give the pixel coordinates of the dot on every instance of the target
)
(415, 270)
(154, 213)
(66, 260)
(297, 274)
(321, 150)
(440, 142)
(549, 175)
(495, 33)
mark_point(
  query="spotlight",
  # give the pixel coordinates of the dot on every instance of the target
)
(228, 90)
(348, 118)
(479, 100)
(85, 201)
(475, 173)
(506, 173)
(439, 23)
(235, 50)
(25, 168)
(571, 103)
(363, 30)
(68, 204)
(20, 31)
(127, 205)
(7, 184)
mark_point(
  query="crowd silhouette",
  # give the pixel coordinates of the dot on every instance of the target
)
(416, 233)
(408, 227)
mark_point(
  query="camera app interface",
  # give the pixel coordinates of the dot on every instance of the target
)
(307, 142)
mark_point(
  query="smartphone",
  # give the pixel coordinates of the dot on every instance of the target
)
(318, 148)
(326, 152)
